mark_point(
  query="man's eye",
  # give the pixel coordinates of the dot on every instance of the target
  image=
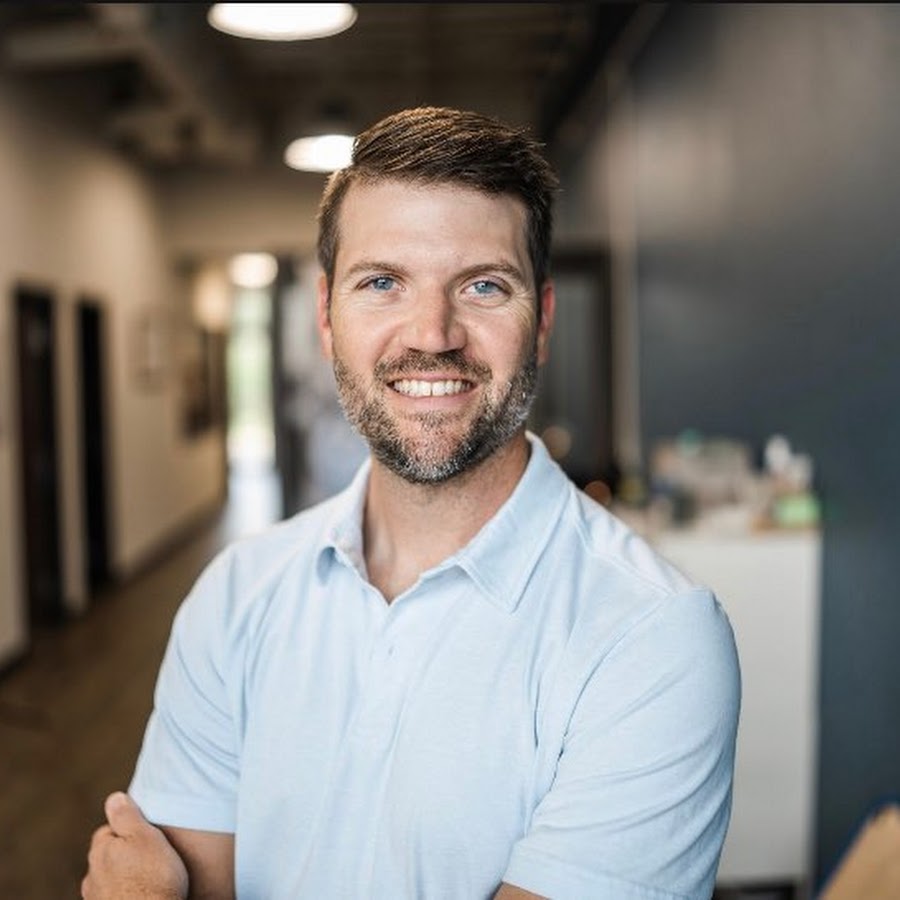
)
(381, 283)
(485, 288)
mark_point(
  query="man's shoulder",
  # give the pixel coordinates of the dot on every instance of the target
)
(612, 553)
(604, 583)
(624, 605)
(247, 572)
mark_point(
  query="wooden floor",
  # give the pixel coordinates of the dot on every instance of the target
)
(72, 715)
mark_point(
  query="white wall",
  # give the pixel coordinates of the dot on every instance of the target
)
(76, 218)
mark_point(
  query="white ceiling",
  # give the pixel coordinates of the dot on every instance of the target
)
(165, 86)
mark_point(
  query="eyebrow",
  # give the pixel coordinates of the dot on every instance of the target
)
(374, 265)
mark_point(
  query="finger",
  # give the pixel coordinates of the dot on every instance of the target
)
(99, 836)
(123, 815)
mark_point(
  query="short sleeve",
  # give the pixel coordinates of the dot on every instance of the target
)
(187, 771)
(640, 801)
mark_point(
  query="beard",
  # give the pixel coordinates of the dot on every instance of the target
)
(435, 451)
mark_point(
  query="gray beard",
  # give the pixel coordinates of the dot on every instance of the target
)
(431, 461)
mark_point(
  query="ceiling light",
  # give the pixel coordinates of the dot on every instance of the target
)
(282, 21)
(322, 153)
(252, 270)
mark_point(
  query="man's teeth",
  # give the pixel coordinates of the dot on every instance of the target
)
(429, 388)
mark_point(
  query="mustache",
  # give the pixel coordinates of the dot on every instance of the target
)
(413, 362)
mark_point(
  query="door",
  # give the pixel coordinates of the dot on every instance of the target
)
(40, 488)
(93, 447)
(573, 410)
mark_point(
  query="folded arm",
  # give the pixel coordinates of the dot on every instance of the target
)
(511, 892)
(129, 857)
(209, 859)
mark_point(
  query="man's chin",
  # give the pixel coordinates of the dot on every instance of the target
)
(425, 461)
(433, 435)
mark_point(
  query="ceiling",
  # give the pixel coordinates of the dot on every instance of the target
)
(163, 85)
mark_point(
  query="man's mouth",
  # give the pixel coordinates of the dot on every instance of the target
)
(413, 387)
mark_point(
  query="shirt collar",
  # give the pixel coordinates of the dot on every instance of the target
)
(342, 533)
(501, 557)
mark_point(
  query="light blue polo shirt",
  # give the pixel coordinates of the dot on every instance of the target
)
(553, 706)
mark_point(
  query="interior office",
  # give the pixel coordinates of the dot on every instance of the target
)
(731, 172)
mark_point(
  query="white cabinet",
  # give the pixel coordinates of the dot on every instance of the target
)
(768, 583)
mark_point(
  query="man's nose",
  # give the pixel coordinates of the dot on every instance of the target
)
(434, 324)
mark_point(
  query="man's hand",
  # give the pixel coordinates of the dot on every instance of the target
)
(130, 858)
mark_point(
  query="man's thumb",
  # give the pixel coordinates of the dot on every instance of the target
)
(123, 814)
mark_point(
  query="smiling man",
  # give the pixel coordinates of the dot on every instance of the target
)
(460, 678)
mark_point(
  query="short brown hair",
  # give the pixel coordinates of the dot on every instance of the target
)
(439, 145)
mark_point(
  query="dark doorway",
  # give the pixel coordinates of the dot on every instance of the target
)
(573, 410)
(91, 343)
(40, 489)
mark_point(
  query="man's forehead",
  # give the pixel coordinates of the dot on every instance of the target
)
(386, 206)
(386, 186)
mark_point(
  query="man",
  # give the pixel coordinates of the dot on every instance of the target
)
(460, 677)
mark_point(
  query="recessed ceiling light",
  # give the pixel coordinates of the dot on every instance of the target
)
(322, 153)
(282, 21)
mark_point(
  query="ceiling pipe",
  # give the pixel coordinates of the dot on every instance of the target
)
(195, 117)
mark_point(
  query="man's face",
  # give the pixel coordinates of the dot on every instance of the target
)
(432, 324)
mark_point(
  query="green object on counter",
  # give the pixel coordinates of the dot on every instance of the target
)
(796, 511)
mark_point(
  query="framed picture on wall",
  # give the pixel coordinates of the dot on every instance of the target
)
(200, 365)
(151, 340)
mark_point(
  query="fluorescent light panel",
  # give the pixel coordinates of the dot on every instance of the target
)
(282, 21)
(321, 153)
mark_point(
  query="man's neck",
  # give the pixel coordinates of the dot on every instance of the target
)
(410, 528)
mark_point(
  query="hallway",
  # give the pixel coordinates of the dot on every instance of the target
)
(72, 713)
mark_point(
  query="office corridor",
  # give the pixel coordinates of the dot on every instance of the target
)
(72, 713)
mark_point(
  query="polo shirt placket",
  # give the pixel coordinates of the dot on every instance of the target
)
(404, 636)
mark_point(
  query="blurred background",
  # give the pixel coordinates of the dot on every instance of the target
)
(723, 374)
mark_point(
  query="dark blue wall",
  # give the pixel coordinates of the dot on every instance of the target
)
(768, 288)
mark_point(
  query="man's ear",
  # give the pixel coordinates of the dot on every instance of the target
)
(545, 323)
(323, 317)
